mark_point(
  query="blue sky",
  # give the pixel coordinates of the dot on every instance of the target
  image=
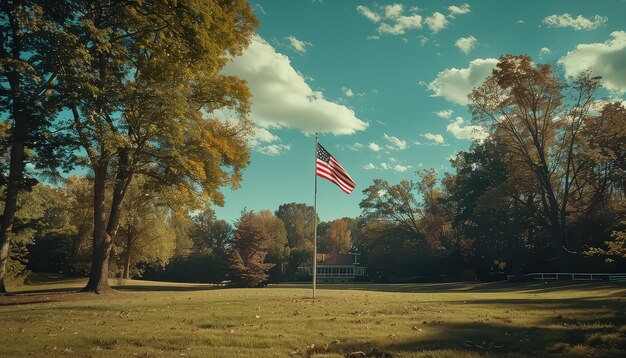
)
(385, 84)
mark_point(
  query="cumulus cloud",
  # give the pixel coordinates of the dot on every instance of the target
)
(458, 10)
(348, 92)
(393, 11)
(435, 138)
(282, 98)
(374, 147)
(356, 146)
(466, 44)
(401, 168)
(395, 23)
(273, 149)
(436, 22)
(544, 51)
(395, 142)
(261, 139)
(606, 59)
(577, 23)
(299, 46)
(262, 135)
(445, 113)
(401, 25)
(394, 20)
(369, 166)
(468, 132)
(455, 84)
(365, 11)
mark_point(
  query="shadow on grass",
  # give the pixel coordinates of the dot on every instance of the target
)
(165, 287)
(462, 287)
(500, 340)
(22, 303)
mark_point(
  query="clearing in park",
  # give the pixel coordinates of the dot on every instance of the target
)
(155, 319)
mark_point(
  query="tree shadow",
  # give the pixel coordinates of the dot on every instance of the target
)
(530, 287)
(22, 303)
(494, 339)
(165, 287)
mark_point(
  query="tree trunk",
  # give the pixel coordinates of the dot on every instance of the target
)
(102, 241)
(16, 173)
(129, 241)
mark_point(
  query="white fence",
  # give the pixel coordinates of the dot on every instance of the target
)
(573, 276)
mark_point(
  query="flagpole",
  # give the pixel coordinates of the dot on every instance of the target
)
(315, 223)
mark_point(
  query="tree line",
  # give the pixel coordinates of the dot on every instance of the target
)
(114, 150)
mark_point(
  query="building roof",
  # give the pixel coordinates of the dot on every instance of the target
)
(334, 259)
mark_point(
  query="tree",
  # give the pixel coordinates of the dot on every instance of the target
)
(143, 87)
(299, 220)
(543, 124)
(27, 104)
(277, 249)
(489, 219)
(393, 204)
(250, 247)
(400, 205)
(614, 248)
(336, 238)
(146, 235)
(211, 235)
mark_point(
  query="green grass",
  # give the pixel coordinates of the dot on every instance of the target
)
(146, 319)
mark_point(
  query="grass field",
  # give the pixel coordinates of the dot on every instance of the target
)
(146, 319)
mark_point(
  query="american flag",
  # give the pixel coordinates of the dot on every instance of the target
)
(329, 168)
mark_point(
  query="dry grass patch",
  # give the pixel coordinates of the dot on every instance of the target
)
(145, 319)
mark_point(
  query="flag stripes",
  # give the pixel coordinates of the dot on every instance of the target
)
(328, 167)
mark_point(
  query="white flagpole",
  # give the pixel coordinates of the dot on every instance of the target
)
(315, 223)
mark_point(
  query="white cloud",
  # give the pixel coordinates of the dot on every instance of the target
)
(445, 113)
(436, 22)
(468, 132)
(395, 22)
(520, 22)
(458, 10)
(401, 168)
(369, 166)
(365, 11)
(436, 138)
(261, 139)
(455, 84)
(401, 25)
(393, 11)
(466, 44)
(273, 149)
(544, 51)
(282, 98)
(356, 146)
(298, 45)
(262, 135)
(374, 147)
(348, 92)
(606, 59)
(396, 142)
(578, 23)
(373, 37)
(385, 166)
